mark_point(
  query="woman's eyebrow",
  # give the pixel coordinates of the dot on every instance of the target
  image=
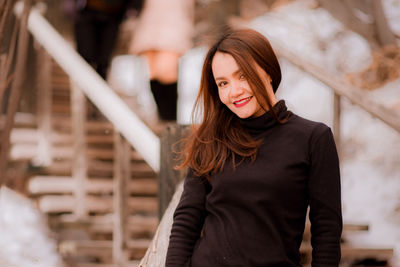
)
(235, 73)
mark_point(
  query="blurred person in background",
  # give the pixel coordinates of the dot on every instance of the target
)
(162, 35)
(96, 28)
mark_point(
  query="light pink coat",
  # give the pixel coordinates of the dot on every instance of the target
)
(164, 25)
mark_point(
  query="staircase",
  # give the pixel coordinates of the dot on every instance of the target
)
(352, 254)
(86, 241)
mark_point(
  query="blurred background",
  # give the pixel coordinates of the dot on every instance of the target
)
(94, 92)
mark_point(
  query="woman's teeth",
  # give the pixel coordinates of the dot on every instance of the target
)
(242, 101)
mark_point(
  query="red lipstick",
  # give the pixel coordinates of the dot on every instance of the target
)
(242, 102)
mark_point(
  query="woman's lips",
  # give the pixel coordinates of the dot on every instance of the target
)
(242, 102)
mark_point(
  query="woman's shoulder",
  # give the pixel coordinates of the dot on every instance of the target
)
(300, 125)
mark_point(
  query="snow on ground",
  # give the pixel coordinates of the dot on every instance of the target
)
(392, 12)
(24, 239)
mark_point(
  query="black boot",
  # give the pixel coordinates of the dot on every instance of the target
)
(166, 96)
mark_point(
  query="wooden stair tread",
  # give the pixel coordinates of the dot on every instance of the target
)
(65, 184)
(30, 135)
(99, 204)
(21, 119)
(104, 221)
(106, 244)
(129, 264)
(102, 249)
(99, 138)
(356, 251)
(99, 168)
(61, 122)
(138, 226)
(347, 227)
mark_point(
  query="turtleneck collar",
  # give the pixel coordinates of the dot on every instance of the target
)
(258, 125)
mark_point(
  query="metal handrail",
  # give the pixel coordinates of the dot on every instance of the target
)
(146, 143)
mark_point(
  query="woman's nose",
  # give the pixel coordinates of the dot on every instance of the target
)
(236, 89)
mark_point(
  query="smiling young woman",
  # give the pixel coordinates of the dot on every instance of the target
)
(233, 88)
(254, 169)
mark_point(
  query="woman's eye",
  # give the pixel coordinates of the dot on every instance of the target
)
(222, 84)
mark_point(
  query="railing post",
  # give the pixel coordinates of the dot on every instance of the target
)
(15, 90)
(79, 159)
(336, 120)
(44, 102)
(168, 176)
(122, 175)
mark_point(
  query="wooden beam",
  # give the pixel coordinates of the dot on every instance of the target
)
(6, 62)
(16, 88)
(121, 178)
(79, 160)
(168, 176)
(6, 11)
(43, 100)
(383, 31)
(336, 121)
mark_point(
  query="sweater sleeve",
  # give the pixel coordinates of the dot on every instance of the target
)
(325, 199)
(188, 221)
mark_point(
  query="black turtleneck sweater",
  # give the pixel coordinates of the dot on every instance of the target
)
(255, 215)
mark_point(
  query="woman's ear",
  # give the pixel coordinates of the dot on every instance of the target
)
(269, 79)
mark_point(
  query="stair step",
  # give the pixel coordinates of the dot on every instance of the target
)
(102, 249)
(28, 151)
(138, 225)
(61, 109)
(95, 204)
(21, 119)
(99, 187)
(31, 135)
(97, 168)
(129, 264)
(350, 251)
(63, 123)
(39, 185)
(24, 135)
(347, 227)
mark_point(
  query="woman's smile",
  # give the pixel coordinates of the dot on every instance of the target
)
(242, 102)
(233, 88)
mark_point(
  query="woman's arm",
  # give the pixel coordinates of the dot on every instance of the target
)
(188, 221)
(325, 199)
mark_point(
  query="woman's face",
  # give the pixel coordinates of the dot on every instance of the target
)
(233, 88)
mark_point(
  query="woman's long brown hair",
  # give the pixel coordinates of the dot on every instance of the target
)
(220, 136)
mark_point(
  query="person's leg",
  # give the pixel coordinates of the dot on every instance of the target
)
(165, 95)
(107, 38)
(86, 44)
(85, 36)
(163, 74)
